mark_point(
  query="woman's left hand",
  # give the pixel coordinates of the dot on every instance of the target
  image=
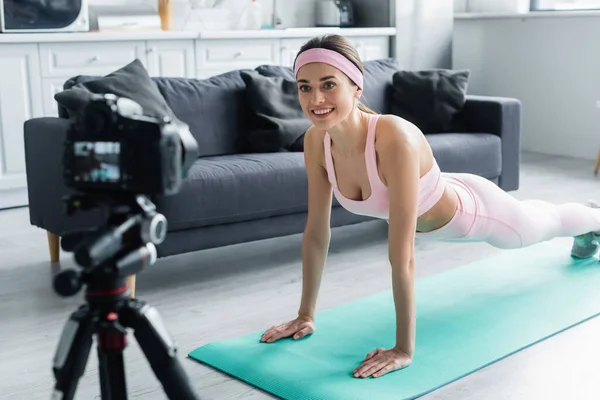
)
(381, 361)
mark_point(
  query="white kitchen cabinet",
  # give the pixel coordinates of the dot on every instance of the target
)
(171, 58)
(20, 99)
(88, 58)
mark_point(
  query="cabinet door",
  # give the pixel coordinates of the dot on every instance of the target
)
(69, 59)
(20, 100)
(289, 50)
(371, 47)
(171, 58)
(215, 56)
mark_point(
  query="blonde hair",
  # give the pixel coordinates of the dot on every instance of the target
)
(340, 45)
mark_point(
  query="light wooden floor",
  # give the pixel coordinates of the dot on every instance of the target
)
(206, 296)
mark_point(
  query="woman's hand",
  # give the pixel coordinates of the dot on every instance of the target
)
(381, 361)
(298, 328)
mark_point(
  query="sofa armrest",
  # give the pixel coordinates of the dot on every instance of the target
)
(44, 139)
(500, 116)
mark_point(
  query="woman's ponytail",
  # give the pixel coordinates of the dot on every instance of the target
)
(366, 109)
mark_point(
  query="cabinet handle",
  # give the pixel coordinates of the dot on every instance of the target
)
(95, 58)
(152, 49)
(238, 54)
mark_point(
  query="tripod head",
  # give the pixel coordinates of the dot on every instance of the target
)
(123, 246)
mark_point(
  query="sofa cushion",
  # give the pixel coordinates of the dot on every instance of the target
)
(276, 121)
(213, 108)
(242, 187)
(235, 188)
(430, 99)
(475, 153)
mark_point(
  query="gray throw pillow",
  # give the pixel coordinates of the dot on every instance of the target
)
(276, 122)
(132, 81)
(431, 99)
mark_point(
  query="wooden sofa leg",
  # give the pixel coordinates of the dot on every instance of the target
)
(53, 245)
(131, 284)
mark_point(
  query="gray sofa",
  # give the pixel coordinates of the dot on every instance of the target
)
(232, 195)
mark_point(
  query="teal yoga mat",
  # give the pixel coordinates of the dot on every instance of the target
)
(467, 318)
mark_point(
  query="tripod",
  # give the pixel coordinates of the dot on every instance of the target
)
(110, 254)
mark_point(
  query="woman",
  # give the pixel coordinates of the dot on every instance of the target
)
(382, 166)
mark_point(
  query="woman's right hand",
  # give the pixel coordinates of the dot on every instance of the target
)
(297, 328)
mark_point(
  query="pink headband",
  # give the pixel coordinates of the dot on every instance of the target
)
(332, 58)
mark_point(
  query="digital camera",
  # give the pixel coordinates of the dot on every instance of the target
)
(112, 147)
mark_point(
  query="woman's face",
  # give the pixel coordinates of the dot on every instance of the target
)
(326, 94)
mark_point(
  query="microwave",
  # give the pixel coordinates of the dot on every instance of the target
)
(18, 16)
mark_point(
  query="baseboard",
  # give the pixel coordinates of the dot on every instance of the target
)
(11, 198)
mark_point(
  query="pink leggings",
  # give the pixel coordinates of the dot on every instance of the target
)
(486, 213)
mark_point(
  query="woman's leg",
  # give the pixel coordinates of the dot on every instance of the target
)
(494, 216)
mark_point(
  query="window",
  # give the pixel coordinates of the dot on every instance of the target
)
(548, 5)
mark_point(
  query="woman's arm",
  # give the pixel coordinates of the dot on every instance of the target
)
(317, 232)
(399, 162)
(315, 241)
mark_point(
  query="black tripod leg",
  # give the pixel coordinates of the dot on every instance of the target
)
(72, 353)
(112, 340)
(160, 350)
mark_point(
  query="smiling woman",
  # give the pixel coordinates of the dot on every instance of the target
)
(383, 166)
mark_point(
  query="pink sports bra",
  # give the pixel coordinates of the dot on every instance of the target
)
(377, 204)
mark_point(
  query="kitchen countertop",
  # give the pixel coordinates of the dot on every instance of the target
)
(121, 35)
(296, 32)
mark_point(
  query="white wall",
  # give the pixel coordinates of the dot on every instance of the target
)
(552, 64)
(424, 36)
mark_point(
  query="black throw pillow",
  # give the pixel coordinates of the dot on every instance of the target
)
(430, 99)
(276, 122)
(132, 81)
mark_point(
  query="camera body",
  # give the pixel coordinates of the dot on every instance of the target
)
(112, 147)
